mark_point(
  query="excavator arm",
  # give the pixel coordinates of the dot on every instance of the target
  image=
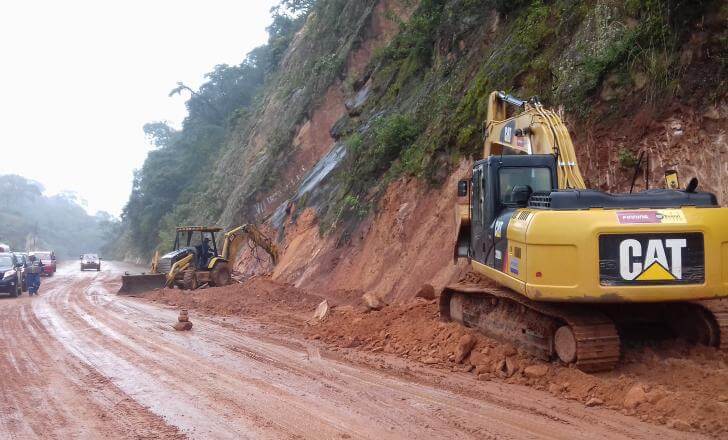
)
(247, 233)
(535, 130)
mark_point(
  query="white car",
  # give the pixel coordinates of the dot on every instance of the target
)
(90, 261)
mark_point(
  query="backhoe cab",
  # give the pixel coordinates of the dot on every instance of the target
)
(195, 260)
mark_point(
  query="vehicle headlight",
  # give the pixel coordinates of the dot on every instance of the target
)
(8, 273)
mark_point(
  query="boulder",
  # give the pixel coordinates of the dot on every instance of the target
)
(465, 346)
(372, 301)
(322, 311)
(505, 367)
(184, 316)
(183, 326)
(429, 360)
(594, 401)
(678, 424)
(635, 396)
(426, 292)
(537, 370)
(479, 358)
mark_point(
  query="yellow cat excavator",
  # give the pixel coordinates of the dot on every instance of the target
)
(560, 270)
(189, 266)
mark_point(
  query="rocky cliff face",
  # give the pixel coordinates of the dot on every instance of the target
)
(377, 108)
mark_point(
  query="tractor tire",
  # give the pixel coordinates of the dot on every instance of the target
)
(220, 275)
(189, 280)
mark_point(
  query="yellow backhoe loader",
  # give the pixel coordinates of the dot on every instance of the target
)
(560, 270)
(189, 266)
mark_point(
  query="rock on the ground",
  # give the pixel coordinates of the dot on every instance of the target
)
(465, 346)
(537, 370)
(183, 326)
(555, 388)
(506, 367)
(478, 357)
(463, 368)
(372, 301)
(322, 311)
(635, 396)
(594, 401)
(678, 424)
(426, 292)
(429, 360)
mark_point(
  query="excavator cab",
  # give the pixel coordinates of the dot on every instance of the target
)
(500, 186)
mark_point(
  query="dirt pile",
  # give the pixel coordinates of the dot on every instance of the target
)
(258, 297)
(669, 383)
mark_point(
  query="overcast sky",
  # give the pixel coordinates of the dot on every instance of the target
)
(79, 79)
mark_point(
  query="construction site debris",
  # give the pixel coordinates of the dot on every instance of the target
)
(372, 301)
(426, 292)
(322, 311)
(465, 346)
(183, 321)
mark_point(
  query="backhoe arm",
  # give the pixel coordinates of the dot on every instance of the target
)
(235, 238)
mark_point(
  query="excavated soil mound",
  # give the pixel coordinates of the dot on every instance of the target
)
(255, 297)
(669, 383)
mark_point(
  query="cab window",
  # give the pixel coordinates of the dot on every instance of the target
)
(539, 179)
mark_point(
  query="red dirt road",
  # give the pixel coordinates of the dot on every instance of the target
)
(81, 362)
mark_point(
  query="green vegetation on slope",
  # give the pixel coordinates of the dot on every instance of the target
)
(426, 95)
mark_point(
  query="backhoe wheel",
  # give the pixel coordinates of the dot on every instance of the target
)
(189, 280)
(220, 275)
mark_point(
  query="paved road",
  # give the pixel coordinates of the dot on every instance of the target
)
(81, 362)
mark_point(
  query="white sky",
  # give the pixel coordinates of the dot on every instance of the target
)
(79, 79)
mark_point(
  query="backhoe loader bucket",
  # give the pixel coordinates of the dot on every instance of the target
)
(131, 284)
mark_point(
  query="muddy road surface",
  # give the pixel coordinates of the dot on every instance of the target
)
(80, 362)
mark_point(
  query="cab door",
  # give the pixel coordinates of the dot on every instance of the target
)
(477, 227)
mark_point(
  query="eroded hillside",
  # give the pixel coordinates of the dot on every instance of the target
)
(375, 108)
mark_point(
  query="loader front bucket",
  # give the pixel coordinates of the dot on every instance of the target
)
(141, 283)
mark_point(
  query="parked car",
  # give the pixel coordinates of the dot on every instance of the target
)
(10, 272)
(22, 258)
(48, 258)
(90, 261)
(4, 247)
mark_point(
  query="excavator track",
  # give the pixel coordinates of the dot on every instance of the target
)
(574, 334)
(718, 313)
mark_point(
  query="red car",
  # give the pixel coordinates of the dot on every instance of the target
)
(48, 258)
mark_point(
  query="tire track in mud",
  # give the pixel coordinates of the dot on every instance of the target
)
(47, 393)
(91, 364)
(286, 391)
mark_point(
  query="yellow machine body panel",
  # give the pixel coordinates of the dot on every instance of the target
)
(556, 256)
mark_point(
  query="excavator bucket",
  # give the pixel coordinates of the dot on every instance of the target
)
(138, 283)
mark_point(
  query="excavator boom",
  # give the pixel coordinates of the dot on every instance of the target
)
(535, 130)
